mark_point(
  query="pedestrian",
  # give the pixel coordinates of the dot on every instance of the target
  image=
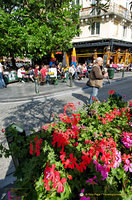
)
(2, 82)
(96, 79)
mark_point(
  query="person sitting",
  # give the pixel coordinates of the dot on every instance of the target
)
(84, 71)
(72, 71)
(43, 72)
(53, 73)
(59, 72)
(31, 74)
(20, 74)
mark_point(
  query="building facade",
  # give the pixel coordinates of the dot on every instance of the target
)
(106, 34)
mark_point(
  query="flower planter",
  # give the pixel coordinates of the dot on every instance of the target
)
(82, 155)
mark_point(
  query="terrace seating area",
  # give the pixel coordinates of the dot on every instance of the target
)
(44, 74)
(54, 74)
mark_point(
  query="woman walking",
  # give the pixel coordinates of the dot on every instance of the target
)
(96, 79)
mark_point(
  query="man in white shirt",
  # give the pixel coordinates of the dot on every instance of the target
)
(2, 82)
(20, 74)
(72, 70)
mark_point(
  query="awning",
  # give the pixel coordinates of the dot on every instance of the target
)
(58, 52)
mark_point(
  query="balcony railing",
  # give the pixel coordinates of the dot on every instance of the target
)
(113, 8)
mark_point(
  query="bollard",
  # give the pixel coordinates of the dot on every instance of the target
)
(67, 76)
(36, 86)
(123, 72)
(70, 76)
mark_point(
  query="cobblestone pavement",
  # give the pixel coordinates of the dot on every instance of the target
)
(19, 104)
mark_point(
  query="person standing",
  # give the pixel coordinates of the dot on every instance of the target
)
(96, 79)
(72, 71)
(2, 82)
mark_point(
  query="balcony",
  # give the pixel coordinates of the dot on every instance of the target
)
(113, 9)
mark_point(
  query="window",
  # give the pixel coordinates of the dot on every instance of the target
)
(95, 28)
(124, 31)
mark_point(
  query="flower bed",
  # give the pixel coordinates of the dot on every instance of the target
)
(82, 155)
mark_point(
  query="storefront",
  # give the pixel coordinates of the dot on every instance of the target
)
(115, 51)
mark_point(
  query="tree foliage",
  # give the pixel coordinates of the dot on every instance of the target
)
(36, 27)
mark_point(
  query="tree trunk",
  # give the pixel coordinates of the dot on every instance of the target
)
(13, 61)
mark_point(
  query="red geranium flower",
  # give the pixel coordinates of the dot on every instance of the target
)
(59, 184)
(111, 92)
(70, 177)
(52, 176)
(130, 103)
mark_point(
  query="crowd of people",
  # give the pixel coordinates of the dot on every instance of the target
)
(45, 73)
(48, 73)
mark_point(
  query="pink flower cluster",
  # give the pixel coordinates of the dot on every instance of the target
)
(92, 180)
(118, 159)
(127, 139)
(128, 166)
(102, 169)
